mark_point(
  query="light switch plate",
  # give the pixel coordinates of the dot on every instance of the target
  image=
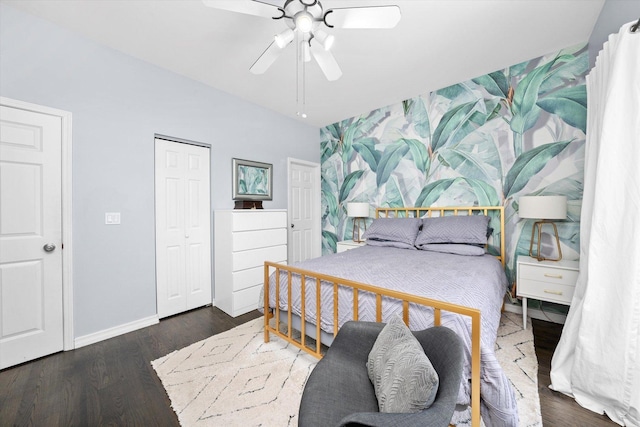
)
(112, 218)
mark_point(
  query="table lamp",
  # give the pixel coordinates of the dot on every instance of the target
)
(545, 209)
(358, 211)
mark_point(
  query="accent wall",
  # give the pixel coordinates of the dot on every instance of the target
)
(484, 142)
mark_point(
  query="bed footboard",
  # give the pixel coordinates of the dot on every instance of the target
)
(315, 279)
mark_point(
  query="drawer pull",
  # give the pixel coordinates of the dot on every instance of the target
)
(554, 276)
(547, 291)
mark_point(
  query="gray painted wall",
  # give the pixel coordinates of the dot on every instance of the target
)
(118, 104)
(614, 14)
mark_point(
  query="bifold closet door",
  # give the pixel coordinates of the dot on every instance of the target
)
(183, 227)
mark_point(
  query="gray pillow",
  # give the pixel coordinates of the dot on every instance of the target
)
(389, 243)
(453, 248)
(467, 229)
(402, 375)
(397, 232)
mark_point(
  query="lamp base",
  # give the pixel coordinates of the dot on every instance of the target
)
(356, 229)
(538, 226)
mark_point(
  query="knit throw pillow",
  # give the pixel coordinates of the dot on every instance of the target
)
(402, 375)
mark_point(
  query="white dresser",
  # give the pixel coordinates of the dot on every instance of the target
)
(244, 240)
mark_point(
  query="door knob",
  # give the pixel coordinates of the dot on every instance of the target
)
(49, 247)
(292, 225)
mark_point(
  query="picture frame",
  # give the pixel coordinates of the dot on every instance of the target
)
(252, 180)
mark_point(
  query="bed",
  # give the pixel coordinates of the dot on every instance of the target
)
(428, 287)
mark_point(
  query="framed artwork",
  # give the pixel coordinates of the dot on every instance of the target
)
(252, 180)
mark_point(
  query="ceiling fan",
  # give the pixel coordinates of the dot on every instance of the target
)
(306, 21)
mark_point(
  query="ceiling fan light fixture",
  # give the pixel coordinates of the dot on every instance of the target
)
(326, 40)
(304, 22)
(304, 19)
(284, 38)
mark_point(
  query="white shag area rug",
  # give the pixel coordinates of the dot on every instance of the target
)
(517, 356)
(236, 379)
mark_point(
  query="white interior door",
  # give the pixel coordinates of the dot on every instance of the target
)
(304, 210)
(183, 227)
(31, 318)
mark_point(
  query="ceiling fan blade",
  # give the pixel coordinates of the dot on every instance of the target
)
(363, 17)
(248, 7)
(326, 61)
(267, 58)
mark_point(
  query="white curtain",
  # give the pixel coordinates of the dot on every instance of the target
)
(597, 360)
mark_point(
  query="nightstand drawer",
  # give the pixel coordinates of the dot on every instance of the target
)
(546, 291)
(556, 276)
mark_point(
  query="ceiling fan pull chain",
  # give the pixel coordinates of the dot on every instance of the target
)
(304, 81)
(297, 71)
(298, 61)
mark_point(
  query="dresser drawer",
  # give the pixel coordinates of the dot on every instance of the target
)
(246, 300)
(256, 257)
(246, 221)
(244, 279)
(247, 278)
(546, 291)
(244, 240)
(559, 276)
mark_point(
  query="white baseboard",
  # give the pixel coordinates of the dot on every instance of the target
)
(115, 331)
(536, 313)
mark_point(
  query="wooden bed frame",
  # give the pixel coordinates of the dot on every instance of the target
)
(438, 306)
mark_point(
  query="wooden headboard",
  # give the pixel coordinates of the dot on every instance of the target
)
(496, 212)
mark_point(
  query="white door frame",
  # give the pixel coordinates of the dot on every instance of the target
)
(317, 217)
(67, 241)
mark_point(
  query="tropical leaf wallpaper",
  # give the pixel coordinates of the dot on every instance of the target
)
(486, 141)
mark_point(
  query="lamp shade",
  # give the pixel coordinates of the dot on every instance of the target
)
(543, 207)
(358, 210)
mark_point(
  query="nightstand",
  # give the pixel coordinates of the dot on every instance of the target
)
(552, 281)
(345, 245)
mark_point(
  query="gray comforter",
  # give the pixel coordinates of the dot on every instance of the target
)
(472, 281)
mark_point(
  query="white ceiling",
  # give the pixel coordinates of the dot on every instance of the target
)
(437, 43)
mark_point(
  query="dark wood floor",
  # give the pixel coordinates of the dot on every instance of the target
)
(112, 382)
(109, 383)
(558, 409)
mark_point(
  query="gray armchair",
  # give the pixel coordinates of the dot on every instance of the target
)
(339, 392)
